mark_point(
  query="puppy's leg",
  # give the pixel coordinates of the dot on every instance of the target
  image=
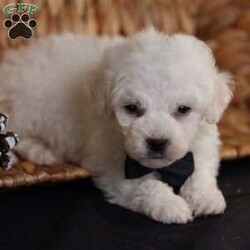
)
(202, 194)
(149, 197)
(201, 190)
(34, 151)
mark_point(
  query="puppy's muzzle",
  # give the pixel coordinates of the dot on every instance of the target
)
(156, 147)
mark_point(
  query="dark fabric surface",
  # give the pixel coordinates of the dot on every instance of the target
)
(76, 216)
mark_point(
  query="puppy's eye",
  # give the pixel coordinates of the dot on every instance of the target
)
(131, 108)
(134, 109)
(183, 109)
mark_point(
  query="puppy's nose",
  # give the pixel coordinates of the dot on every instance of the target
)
(156, 145)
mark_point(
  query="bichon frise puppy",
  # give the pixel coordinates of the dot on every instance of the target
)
(151, 98)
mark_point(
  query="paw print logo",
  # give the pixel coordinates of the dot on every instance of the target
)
(20, 26)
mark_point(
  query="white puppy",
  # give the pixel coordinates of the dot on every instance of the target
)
(92, 101)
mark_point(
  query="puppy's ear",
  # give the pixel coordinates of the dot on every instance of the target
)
(100, 92)
(221, 96)
(104, 77)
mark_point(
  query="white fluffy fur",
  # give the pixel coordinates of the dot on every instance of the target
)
(65, 96)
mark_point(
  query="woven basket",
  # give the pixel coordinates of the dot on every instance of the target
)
(223, 24)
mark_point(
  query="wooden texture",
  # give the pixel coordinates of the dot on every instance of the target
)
(223, 24)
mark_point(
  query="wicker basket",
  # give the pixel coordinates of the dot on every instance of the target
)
(223, 24)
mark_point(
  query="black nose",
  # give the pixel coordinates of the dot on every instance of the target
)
(156, 145)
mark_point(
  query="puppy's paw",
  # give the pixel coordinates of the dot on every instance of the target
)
(34, 151)
(42, 156)
(204, 201)
(174, 209)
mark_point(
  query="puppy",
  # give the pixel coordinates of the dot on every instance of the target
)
(96, 101)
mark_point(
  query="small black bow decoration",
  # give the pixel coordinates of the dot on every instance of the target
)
(174, 175)
(8, 140)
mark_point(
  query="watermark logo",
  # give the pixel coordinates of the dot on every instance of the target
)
(20, 24)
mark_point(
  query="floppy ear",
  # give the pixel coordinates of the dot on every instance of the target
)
(104, 76)
(221, 96)
(100, 91)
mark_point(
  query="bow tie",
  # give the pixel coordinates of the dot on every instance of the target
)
(174, 175)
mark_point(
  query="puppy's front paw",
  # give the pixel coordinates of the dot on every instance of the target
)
(203, 201)
(173, 209)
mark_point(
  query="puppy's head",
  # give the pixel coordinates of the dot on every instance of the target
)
(159, 88)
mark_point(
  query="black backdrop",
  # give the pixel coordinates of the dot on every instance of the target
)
(76, 216)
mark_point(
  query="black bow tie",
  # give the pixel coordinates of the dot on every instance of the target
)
(174, 175)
